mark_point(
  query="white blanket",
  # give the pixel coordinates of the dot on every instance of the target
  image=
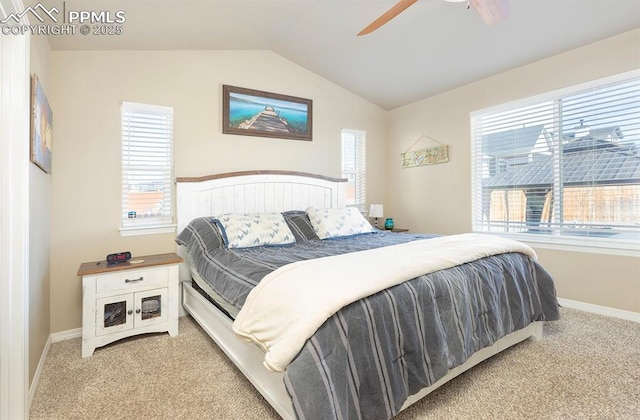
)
(292, 302)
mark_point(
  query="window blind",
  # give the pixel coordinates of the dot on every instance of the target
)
(564, 164)
(354, 167)
(147, 165)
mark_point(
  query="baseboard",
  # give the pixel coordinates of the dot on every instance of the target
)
(36, 376)
(574, 304)
(66, 335)
(53, 338)
(600, 310)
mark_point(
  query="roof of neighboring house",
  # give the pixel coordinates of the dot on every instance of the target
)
(585, 161)
(511, 142)
(523, 140)
(601, 133)
(604, 132)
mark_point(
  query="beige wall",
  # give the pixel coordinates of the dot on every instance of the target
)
(39, 224)
(437, 198)
(88, 88)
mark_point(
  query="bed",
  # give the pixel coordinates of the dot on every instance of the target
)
(370, 358)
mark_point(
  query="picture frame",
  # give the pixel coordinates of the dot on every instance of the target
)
(424, 157)
(41, 126)
(250, 112)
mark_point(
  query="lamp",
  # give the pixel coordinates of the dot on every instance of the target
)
(376, 211)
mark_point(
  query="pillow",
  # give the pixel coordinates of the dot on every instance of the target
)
(201, 232)
(300, 225)
(249, 230)
(332, 223)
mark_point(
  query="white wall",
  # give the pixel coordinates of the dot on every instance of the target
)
(88, 87)
(437, 198)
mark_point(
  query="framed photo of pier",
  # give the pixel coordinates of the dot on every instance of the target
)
(249, 112)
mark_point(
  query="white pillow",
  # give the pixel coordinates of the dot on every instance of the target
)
(332, 223)
(249, 230)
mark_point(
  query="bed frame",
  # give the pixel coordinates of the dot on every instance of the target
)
(276, 191)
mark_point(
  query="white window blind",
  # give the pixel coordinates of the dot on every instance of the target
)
(147, 165)
(354, 167)
(565, 164)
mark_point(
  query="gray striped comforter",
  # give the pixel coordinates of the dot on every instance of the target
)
(371, 355)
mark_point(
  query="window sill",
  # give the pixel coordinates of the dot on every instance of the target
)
(591, 245)
(147, 230)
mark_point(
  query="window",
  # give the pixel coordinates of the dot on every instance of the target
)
(147, 168)
(354, 167)
(563, 165)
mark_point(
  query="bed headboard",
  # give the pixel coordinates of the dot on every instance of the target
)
(255, 192)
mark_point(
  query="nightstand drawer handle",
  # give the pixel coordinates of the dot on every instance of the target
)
(134, 280)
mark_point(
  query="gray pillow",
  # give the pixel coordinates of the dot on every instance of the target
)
(201, 232)
(300, 225)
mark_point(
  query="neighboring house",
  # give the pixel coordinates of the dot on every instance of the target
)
(600, 178)
(506, 149)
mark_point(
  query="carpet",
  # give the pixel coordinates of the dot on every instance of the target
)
(587, 366)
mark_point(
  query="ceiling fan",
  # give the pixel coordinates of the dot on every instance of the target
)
(491, 12)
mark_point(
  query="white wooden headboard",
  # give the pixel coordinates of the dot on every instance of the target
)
(255, 192)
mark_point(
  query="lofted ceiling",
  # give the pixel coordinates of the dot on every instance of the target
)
(431, 47)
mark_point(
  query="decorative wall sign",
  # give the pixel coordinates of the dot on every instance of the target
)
(423, 157)
(250, 112)
(41, 126)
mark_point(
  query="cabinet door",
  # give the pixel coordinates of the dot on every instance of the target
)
(114, 313)
(151, 307)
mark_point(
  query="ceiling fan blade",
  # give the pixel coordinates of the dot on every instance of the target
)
(491, 11)
(387, 16)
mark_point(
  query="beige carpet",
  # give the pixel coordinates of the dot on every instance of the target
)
(586, 367)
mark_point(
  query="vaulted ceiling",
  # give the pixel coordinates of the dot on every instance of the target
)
(431, 47)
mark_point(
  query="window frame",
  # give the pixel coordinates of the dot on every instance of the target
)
(360, 166)
(555, 240)
(146, 227)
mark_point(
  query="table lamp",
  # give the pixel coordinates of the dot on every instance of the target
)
(376, 211)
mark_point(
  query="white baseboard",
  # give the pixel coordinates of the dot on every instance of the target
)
(66, 335)
(53, 338)
(36, 376)
(600, 310)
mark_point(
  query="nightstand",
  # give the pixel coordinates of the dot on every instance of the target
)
(126, 299)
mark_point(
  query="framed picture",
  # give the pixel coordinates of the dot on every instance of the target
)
(250, 112)
(41, 126)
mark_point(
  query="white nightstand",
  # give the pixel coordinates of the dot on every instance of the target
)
(126, 299)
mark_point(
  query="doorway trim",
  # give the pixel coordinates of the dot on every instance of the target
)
(14, 220)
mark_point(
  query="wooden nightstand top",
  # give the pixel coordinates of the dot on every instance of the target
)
(97, 267)
(399, 230)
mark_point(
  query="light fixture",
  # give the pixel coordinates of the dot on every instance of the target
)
(375, 210)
